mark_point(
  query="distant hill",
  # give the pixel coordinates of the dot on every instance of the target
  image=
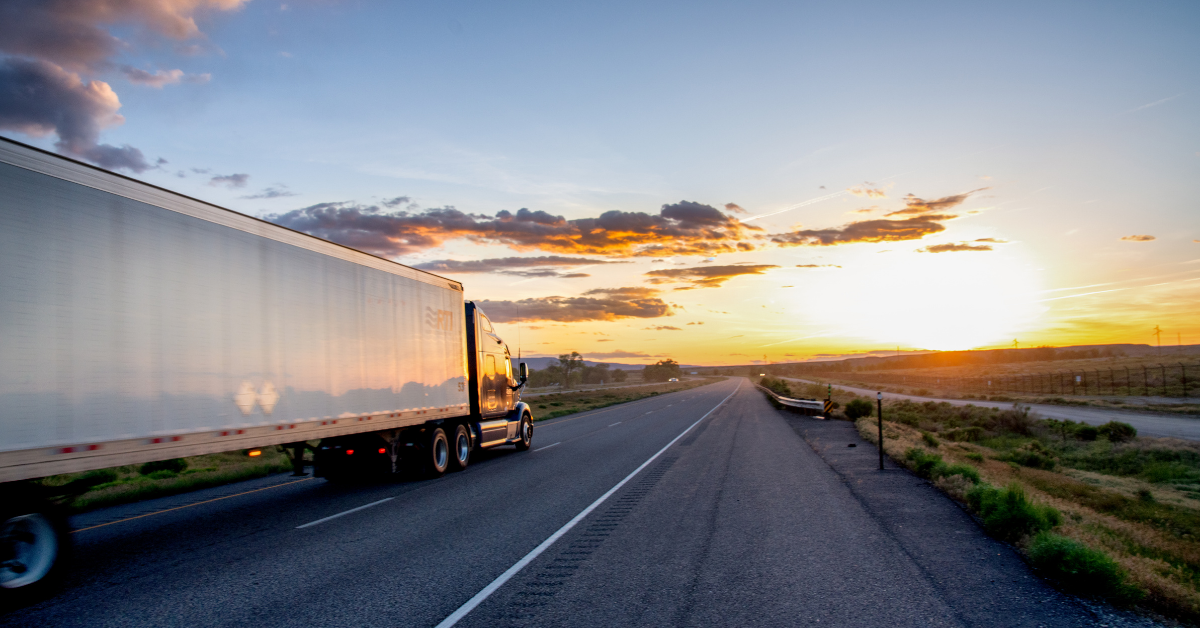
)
(541, 363)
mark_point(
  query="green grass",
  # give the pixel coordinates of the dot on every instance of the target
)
(1080, 569)
(1008, 514)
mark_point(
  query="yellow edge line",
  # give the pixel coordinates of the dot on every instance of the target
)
(207, 501)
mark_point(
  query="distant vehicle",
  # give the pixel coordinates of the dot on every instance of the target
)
(673, 379)
(144, 325)
(762, 374)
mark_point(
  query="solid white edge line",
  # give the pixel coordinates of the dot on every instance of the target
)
(528, 558)
(617, 423)
(547, 447)
(341, 514)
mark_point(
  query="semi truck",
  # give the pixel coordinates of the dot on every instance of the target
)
(138, 325)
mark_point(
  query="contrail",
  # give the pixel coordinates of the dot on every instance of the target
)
(824, 333)
(797, 205)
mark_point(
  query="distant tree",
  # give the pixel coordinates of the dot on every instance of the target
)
(661, 371)
(597, 374)
(619, 375)
(570, 364)
(859, 408)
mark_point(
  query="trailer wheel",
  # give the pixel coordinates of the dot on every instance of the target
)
(526, 440)
(460, 448)
(33, 547)
(437, 454)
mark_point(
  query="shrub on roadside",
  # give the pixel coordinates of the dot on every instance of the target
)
(1117, 432)
(955, 486)
(1008, 514)
(965, 470)
(858, 408)
(924, 464)
(1032, 455)
(175, 466)
(977, 457)
(1080, 569)
(930, 439)
(1086, 433)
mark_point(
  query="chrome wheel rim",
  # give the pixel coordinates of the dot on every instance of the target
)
(440, 453)
(526, 431)
(464, 447)
(33, 546)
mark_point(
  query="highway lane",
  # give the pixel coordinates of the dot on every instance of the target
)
(1147, 423)
(738, 522)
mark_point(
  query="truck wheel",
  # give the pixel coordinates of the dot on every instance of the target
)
(526, 440)
(33, 547)
(437, 455)
(460, 448)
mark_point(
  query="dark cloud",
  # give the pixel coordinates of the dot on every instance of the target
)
(544, 266)
(38, 98)
(684, 228)
(594, 305)
(735, 208)
(1138, 238)
(399, 200)
(953, 247)
(917, 206)
(229, 180)
(706, 276)
(272, 193)
(881, 230)
(73, 33)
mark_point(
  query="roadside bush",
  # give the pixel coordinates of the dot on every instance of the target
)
(858, 408)
(930, 439)
(965, 470)
(1015, 420)
(176, 465)
(97, 477)
(777, 386)
(1032, 455)
(977, 457)
(1086, 432)
(1117, 432)
(925, 464)
(955, 486)
(1008, 514)
(1080, 569)
(965, 434)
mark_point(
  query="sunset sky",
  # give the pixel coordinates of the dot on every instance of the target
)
(716, 183)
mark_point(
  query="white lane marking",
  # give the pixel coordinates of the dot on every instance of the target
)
(648, 413)
(537, 551)
(547, 447)
(617, 423)
(342, 514)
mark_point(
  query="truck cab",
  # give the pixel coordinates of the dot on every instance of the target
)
(495, 393)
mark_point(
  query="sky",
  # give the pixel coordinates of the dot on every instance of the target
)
(717, 183)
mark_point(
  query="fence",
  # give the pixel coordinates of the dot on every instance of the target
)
(1166, 380)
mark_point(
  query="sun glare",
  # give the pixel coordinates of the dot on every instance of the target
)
(947, 301)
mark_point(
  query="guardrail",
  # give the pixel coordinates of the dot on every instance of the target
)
(810, 407)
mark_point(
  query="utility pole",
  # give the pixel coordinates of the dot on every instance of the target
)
(1158, 333)
(1016, 345)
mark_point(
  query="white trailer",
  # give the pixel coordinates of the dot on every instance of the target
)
(137, 324)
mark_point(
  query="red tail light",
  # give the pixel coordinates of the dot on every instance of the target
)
(383, 450)
(349, 452)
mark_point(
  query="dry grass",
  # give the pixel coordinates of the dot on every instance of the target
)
(1155, 541)
(129, 485)
(561, 404)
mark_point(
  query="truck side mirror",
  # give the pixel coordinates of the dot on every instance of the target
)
(524, 372)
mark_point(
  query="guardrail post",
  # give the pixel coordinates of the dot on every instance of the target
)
(879, 400)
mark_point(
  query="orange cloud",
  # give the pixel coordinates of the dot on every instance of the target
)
(881, 230)
(706, 276)
(1138, 238)
(867, 191)
(594, 305)
(683, 228)
(917, 206)
(952, 247)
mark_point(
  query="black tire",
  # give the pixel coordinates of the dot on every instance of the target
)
(460, 448)
(34, 547)
(437, 453)
(525, 438)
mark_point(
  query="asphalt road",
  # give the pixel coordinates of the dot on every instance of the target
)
(1147, 423)
(707, 507)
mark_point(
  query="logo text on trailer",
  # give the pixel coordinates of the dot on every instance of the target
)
(441, 320)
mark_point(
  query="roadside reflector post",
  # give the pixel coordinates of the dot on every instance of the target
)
(879, 402)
